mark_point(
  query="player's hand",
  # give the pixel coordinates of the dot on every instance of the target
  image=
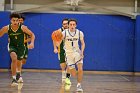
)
(82, 55)
(55, 51)
(31, 46)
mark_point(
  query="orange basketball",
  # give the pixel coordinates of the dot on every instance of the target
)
(57, 35)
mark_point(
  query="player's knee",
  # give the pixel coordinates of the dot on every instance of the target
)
(71, 67)
(72, 70)
(13, 56)
(63, 69)
(63, 66)
(80, 66)
(80, 69)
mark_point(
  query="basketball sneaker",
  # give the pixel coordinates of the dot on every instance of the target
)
(79, 88)
(67, 87)
(14, 82)
(20, 80)
(20, 85)
(67, 81)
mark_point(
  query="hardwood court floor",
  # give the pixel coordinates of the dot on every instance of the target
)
(50, 82)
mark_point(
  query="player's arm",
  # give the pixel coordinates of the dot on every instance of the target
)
(31, 34)
(3, 31)
(28, 38)
(55, 47)
(82, 43)
(56, 44)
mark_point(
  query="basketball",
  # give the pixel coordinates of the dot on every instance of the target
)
(57, 35)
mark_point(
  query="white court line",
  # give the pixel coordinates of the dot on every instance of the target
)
(124, 78)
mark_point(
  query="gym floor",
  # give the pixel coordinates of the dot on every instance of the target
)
(50, 82)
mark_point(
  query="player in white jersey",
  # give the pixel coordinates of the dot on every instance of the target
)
(61, 55)
(74, 55)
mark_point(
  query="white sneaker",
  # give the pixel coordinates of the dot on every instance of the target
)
(79, 88)
(20, 80)
(14, 83)
(20, 85)
(67, 87)
(67, 81)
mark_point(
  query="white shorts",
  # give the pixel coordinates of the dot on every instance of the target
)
(73, 59)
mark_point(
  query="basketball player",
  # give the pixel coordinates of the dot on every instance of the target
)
(74, 55)
(16, 45)
(61, 54)
(26, 40)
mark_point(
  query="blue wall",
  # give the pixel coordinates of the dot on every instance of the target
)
(110, 44)
(4, 55)
(137, 45)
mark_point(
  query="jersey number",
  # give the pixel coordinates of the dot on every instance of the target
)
(72, 43)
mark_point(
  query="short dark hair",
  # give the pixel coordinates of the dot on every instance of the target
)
(65, 19)
(14, 15)
(72, 19)
(22, 16)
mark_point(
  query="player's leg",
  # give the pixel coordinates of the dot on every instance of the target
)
(67, 70)
(80, 72)
(25, 56)
(79, 63)
(68, 75)
(70, 67)
(79, 76)
(72, 70)
(13, 56)
(18, 75)
(62, 65)
(20, 55)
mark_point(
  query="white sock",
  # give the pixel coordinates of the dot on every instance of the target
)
(18, 71)
(63, 74)
(78, 84)
(14, 77)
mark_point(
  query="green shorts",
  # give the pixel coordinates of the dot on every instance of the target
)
(26, 52)
(19, 50)
(62, 57)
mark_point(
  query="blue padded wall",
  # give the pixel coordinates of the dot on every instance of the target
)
(4, 55)
(137, 45)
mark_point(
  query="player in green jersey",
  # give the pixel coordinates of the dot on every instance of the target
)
(16, 32)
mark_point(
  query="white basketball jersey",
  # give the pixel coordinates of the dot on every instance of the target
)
(71, 41)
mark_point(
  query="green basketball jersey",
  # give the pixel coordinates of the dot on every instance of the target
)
(16, 38)
(61, 47)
